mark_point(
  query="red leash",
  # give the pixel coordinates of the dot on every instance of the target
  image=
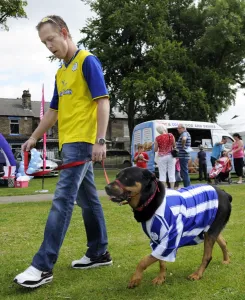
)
(27, 156)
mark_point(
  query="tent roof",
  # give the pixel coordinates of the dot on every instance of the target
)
(234, 125)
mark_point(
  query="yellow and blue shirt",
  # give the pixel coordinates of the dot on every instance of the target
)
(77, 84)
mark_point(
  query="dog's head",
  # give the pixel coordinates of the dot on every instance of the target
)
(133, 185)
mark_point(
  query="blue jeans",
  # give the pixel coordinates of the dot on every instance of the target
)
(184, 171)
(76, 183)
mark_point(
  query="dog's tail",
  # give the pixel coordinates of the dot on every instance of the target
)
(229, 195)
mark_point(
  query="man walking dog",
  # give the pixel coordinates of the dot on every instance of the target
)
(80, 103)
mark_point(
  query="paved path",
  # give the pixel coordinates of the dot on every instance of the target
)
(34, 198)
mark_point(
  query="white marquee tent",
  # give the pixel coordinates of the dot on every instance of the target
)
(236, 124)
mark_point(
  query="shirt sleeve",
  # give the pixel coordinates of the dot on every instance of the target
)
(164, 249)
(184, 134)
(55, 100)
(94, 77)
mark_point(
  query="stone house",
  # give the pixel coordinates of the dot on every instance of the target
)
(19, 118)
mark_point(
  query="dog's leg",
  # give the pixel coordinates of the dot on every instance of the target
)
(143, 265)
(162, 275)
(207, 257)
(222, 243)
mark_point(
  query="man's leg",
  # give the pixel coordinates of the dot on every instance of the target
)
(205, 171)
(93, 216)
(184, 171)
(87, 199)
(200, 171)
(59, 216)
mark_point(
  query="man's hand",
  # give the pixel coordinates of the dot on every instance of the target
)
(98, 152)
(29, 144)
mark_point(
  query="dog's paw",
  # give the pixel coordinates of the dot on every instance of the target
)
(226, 262)
(134, 283)
(158, 280)
(194, 276)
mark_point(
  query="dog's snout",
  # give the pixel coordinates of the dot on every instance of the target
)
(107, 188)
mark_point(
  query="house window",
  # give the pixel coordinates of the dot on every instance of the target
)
(50, 132)
(14, 126)
(125, 130)
(16, 148)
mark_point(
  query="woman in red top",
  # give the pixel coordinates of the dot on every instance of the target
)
(164, 143)
(141, 158)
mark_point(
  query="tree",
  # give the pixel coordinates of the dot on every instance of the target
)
(125, 36)
(11, 9)
(169, 56)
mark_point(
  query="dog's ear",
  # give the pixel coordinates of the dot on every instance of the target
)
(148, 174)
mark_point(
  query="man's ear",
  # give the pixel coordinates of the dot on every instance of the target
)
(148, 175)
(64, 32)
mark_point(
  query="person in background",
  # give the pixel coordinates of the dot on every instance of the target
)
(201, 155)
(184, 143)
(177, 174)
(141, 158)
(238, 155)
(217, 150)
(178, 178)
(164, 143)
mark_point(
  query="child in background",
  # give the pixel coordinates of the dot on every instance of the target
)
(141, 158)
(178, 178)
(177, 174)
(202, 164)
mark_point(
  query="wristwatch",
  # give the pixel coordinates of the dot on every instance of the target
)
(101, 141)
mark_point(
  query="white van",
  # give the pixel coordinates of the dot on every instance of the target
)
(202, 133)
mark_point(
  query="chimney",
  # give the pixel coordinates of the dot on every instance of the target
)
(26, 100)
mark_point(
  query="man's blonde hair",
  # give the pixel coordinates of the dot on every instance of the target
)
(55, 21)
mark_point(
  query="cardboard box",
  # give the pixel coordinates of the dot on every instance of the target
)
(21, 184)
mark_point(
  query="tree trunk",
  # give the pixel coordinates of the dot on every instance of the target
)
(131, 116)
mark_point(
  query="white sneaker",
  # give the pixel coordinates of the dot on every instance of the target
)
(87, 263)
(33, 278)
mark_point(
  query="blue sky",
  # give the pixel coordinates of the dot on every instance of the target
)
(24, 63)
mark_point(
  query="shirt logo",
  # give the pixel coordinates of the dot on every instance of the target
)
(65, 92)
(64, 83)
(75, 66)
(154, 236)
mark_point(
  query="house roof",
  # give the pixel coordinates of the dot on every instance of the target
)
(14, 107)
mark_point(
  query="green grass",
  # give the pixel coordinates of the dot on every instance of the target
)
(21, 233)
(50, 184)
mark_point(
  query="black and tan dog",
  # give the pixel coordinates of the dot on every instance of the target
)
(172, 219)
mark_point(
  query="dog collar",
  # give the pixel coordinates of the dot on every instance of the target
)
(140, 208)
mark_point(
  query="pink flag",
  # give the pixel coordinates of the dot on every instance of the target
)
(44, 136)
